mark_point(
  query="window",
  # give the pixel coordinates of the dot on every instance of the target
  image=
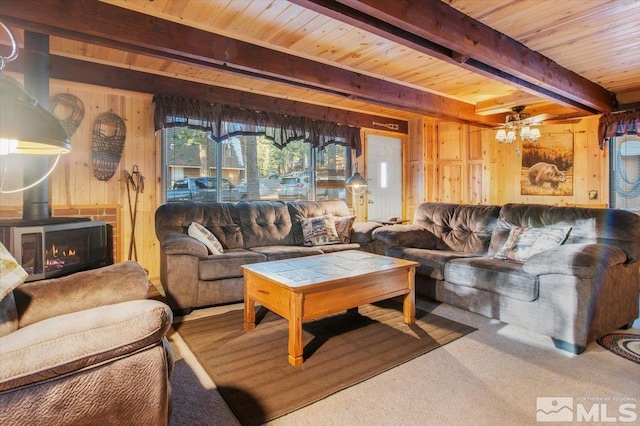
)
(250, 168)
(624, 178)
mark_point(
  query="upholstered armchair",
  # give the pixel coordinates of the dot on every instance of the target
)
(88, 348)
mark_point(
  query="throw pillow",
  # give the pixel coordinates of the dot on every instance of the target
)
(344, 225)
(508, 245)
(11, 272)
(205, 236)
(319, 231)
(536, 240)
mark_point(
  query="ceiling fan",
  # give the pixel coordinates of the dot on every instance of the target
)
(522, 124)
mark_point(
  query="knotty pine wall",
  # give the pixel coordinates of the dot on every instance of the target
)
(460, 163)
(76, 192)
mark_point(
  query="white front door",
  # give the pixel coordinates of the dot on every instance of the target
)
(384, 173)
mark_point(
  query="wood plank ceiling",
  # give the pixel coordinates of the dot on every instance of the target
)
(381, 58)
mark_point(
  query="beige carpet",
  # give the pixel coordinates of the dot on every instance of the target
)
(253, 375)
(492, 376)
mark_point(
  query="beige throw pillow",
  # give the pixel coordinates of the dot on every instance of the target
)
(11, 272)
(205, 236)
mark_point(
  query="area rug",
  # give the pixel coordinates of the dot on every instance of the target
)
(624, 344)
(251, 371)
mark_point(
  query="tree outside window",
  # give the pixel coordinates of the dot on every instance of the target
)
(251, 168)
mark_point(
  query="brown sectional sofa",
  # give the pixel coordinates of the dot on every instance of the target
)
(250, 232)
(574, 293)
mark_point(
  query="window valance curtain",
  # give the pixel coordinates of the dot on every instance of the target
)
(224, 121)
(618, 124)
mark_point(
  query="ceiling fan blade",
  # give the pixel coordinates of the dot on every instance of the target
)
(542, 117)
(565, 121)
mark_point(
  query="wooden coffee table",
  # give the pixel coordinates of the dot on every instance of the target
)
(306, 288)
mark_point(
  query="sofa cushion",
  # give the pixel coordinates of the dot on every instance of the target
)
(286, 252)
(496, 276)
(227, 264)
(265, 223)
(318, 231)
(431, 262)
(458, 227)
(406, 236)
(219, 218)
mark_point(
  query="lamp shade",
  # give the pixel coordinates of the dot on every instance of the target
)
(356, 184)
(25, 126)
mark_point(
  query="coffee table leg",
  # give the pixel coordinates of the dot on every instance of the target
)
(409, 306)
(295, 330)
(249, 308)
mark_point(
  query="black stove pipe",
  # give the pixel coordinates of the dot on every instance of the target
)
(35, 204)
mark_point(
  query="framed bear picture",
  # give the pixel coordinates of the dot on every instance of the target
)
(547, 166)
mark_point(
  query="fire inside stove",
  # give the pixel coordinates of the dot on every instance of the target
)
(57, 258)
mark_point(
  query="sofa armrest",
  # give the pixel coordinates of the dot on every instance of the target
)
(361, 232)
(72, 342)
(120, 282)
(580, 260)
(406, 236)
(179, 243)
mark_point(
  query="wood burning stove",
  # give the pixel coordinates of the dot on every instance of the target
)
(57, 246)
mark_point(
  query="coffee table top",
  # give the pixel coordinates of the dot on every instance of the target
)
(309, 270)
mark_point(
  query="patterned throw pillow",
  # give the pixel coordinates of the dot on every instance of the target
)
(536, 240)
(11, 272)
(344, 225)
(508, 245)
(205, 236)
(550, 238)
(319, 231)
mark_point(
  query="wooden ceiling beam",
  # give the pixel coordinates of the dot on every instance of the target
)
(68, 69)
(439, 30)
(107, 25)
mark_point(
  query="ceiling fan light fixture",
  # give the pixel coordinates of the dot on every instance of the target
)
(520, 124)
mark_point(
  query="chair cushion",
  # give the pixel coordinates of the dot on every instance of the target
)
(495, 276)
(72, 342)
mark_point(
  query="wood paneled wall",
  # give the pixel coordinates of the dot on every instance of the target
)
(73, 186)
(459, 163)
